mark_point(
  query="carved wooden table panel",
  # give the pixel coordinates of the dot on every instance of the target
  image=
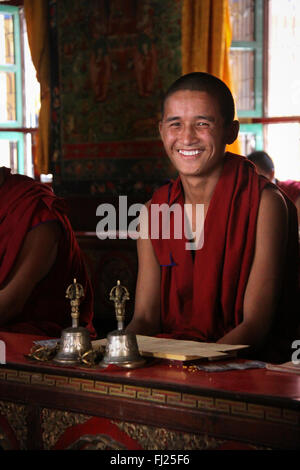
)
(158, 407)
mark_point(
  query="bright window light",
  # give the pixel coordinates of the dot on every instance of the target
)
(283, 139)
(284, 53)
(284, 149)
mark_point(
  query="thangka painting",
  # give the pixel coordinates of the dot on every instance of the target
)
(116, 58)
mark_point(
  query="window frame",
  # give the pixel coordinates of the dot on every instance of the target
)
(15, 68)
(258, 47)
(16, 131)
(257, 131)
(17, 137)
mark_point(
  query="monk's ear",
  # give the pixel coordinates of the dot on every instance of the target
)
(232, 132)
(160, 127)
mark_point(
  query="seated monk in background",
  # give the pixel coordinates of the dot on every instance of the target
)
(40, 258)
(240, 287)
(265, 166)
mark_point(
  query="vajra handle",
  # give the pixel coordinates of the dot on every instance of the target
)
(75, 292)
(119, 294)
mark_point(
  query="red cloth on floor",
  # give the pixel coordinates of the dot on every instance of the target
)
(23, 204)
(203, 299)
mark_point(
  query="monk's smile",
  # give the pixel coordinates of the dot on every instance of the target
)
(190, 154)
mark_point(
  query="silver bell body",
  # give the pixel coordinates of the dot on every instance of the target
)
(122, 350)
(74, 343)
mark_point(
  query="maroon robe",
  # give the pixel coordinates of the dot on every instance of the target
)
(24, 204)
(291, 188)
(202, 298)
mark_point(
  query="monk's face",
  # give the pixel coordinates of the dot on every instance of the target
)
(193, 132)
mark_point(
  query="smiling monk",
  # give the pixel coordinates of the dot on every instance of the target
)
(240, 287)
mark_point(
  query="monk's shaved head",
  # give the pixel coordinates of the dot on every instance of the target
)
(262, 160)
(200, 81)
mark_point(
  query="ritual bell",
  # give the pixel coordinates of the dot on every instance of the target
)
(75, 341)
(121, 347)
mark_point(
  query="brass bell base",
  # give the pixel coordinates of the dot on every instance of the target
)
(126, 365)
(66, 359)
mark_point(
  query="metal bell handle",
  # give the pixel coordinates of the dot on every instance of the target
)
(75, 292)
(119, 294)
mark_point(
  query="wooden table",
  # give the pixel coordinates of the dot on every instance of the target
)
(160, 406)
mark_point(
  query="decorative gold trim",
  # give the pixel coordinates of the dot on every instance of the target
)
(164, 397)
(55, 422)
(16, 416)
(154, 438)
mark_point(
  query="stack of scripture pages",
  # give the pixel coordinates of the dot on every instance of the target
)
(181, 350)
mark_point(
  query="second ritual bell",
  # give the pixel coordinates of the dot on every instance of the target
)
(121, 346)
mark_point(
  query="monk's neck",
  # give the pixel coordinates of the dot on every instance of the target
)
(200, 189)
